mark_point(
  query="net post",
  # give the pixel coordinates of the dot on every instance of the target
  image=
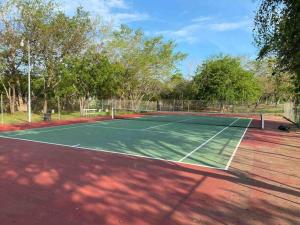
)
(262, 121)
(158, 106)
(112, 113)
(112, 110)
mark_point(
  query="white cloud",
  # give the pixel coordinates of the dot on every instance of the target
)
(201, 19)
(192, 32)
(230, 25)
(187, 30)
(117, 4)
(117, 11)
(184, 34)
(130, 17)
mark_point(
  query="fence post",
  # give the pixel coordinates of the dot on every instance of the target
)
(2, 120)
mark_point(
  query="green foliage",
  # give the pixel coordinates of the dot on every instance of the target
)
(223, 79)
(52, 36)
(276, 85)
(124, 63)
(277, 32)
(177, 87)
(10, 56)
(147, 62)
(90, 75)
(72, 58)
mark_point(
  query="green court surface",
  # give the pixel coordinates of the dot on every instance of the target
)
(205, 141)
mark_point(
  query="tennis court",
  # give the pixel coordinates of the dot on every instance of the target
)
(187, 138)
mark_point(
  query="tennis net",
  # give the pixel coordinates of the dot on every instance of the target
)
(251, 120)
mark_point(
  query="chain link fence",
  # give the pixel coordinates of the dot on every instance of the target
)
(74, 108)
(15, 110)
(195, 106)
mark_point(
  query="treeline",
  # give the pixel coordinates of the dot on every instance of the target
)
(232, 80)
(77, 58)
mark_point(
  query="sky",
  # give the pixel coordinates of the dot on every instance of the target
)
(200, 28)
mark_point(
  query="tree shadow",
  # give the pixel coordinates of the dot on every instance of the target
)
(46, 184)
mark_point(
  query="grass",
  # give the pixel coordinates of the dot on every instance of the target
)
(262, 108)
(270, 109)
(22, 117)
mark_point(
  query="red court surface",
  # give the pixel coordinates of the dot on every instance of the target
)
(42, 184)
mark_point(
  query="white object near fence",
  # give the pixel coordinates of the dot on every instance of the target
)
(89, 112)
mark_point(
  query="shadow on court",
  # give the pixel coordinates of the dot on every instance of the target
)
(175, 143)
(46, 184)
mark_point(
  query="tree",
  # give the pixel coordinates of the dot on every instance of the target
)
(62, 63)
(147, 62)
(177, 87)
(223, 79)
(276, 85)
(277, 33)
(10, 55)
(53, 36)
(87, 76)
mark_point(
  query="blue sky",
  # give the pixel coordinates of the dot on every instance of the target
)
(201, 28)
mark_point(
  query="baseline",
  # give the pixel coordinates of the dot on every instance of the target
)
(208, 140)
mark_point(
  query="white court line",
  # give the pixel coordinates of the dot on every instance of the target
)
(208, 140)
(49, 129)
(131, 154)
(45, 130)
(236, 148)
(133, 129)
(113, 152)
(150, 131)
(165, 124)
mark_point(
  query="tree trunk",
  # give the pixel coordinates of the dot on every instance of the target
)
(14, 99)
(45, 108)
(277, 102)
(222, 106)
(58, 108)
(11, 99)
(81, 105)
(21, 106)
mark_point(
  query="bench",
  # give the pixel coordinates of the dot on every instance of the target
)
(88, 112)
